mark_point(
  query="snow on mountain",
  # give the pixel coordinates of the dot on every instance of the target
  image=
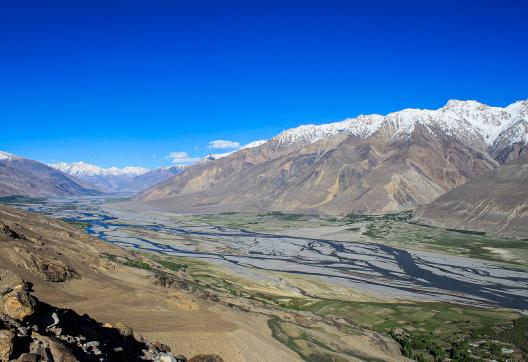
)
(516, 130)
(113, 179)
(8, 156)
(473, 119)
(469, 121)
(393, 163)
(362, 126)
(85, 169)
(22, 176)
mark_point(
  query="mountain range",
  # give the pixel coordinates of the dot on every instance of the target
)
(367, 164)
(462, 165)
(113, 179)
(20, 176)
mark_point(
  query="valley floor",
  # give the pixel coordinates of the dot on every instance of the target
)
(323, 287)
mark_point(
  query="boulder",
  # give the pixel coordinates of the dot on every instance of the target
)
(6, 344)
(124, 330)
(17, 303)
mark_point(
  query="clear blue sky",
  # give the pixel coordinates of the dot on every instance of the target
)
(127, 82)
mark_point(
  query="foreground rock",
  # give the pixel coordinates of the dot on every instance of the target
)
(17, 303)
(31, 330)
(6, 344)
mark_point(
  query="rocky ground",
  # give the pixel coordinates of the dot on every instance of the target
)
(31, 330)
(44, 258)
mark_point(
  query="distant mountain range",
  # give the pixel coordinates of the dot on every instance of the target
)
(113, 179)
(20, 176)
(367, 164)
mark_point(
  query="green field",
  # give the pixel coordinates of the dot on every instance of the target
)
(261, 221)
(18, 199)
(399, 230)
(426, 331)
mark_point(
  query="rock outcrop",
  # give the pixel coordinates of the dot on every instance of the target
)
(31, 330)
(45, 267)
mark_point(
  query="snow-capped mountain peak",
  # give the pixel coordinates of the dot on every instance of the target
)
(81, 168)
(113, 179)
(518, 107)
(470, 121)
(361, 126)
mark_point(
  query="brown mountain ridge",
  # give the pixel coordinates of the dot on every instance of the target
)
(370, 164)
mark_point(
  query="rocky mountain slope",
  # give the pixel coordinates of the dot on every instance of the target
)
(48, 255)
(31, 330)
(21, 176)
(113, 179)
(151, 178)
(63, 292)
(496, 202)
(367, 164)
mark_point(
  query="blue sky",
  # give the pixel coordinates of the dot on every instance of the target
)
(128, 82)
